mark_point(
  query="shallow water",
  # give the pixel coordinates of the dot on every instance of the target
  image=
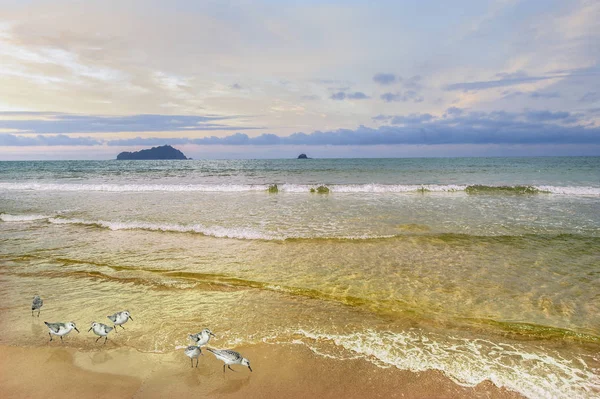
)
(485, 269)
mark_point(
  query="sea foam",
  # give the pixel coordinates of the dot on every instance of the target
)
(303, 188)
(21, 218)
(468, 362)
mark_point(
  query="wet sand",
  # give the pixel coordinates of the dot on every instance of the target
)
(290, 371)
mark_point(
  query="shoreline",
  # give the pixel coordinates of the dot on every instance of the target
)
(290, 371)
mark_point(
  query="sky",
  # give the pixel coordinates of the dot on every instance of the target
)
(276, 78)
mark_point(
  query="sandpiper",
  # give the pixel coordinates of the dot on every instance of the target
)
(101, 329)
(120, 318)
(193, 352)
(37, 304)
(60, 329)
(202, 337)
(230, 357)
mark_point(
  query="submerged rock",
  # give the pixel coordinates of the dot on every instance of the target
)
(320, 190)
(273, 188)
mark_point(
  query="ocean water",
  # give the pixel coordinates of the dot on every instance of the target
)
(482, 268)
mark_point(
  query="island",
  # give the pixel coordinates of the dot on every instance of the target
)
(303, 156)
(162, 152)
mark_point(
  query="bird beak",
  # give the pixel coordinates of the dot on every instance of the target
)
(131, 318)
(250, 368)
(76, 330)
(89, 329)
(213, 335)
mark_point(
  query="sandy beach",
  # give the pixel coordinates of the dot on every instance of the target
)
(279, 372)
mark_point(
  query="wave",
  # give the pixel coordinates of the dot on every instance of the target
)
(468, 362)
(306, 188)
(22, 218)
(247, 233)
(214, 231)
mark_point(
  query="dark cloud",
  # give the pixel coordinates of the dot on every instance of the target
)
(408, 95)
(543, 116)
(73, 123)
(385, 78)
(413, 82)
(457, 126)
(411, 119)
(381, 117)
(538, 94)
(505, 80)
(590, 97)
(340, 95)
(454, 111)
(236, 86)
(357, 95)
(11, 140)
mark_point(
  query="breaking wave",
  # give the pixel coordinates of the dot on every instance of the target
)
(306, 188)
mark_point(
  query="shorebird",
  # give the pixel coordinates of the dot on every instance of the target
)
(193, 352)
(101, 329)
(120, 318)
(202, 337)
(60, 329)
(37, 304)
(230, 357)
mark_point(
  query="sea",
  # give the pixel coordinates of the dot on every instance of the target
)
(480, 268)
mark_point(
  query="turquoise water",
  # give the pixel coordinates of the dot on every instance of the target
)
(482, 268)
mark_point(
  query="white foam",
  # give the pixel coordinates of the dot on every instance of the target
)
(21, 218)
(570, 190)
(291, 188)
(107, 187)
(214, 231)
(527, 370)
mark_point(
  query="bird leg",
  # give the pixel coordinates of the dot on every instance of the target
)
(61, 340)
(122, 327)
(98, 338)
(115, 328)
(105, 339)
(50, 337)
(229, 367)
(39, 313)
(223, 368)
(32, 312)
(197, 360)
(192, 360)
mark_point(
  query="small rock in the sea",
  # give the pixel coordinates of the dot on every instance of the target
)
(273, 188)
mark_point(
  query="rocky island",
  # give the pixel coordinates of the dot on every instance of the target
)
(303, 156)
(154, 153)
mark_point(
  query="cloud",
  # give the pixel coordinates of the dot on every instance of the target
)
(413, 82)
(520, 77)
(456, 126)
(590, 97)
(236, 86)
(489, 84)
(538, 94)
(358, 95)
(48, 123)
(340, 95)
(409, 95)
(385, 78)
(11, 140)
(543, 116)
